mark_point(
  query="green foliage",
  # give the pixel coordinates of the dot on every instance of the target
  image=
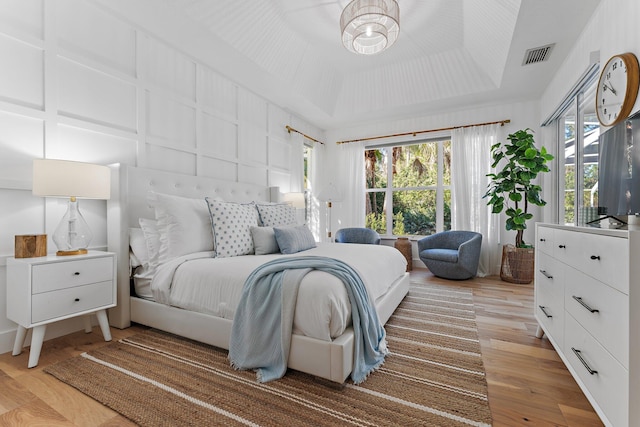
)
(511, 189)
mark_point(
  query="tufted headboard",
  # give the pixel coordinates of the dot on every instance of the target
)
(129, 188)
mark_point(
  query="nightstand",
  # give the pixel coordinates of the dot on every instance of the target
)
(48, 289)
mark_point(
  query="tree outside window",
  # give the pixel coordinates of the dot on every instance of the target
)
(408, 188)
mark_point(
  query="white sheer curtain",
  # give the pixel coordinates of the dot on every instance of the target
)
(470, 164)
(317, 161)
(352, 171)
(297, 163)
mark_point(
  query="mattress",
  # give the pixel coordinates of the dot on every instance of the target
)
(201, 283)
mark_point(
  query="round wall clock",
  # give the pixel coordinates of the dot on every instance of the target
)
(617, 89)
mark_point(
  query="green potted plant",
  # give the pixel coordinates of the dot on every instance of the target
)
(512, 190)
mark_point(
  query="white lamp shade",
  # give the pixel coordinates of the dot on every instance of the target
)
(64, 178)
(295, 199)
(329, 193)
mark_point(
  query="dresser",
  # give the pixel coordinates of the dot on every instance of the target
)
(52, 288)
(587, 296)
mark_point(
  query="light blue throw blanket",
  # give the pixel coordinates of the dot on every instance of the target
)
(261, 332)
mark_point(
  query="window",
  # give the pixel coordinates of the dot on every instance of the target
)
(581, 132)
(409, 188)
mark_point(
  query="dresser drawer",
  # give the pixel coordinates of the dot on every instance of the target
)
(549, 296)
(545, 240)
(607, 259)
(66, 302)
(610, 385)
(601, 310)
(61, 275)
(567, 246)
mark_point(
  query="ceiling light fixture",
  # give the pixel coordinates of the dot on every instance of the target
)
(370, 26)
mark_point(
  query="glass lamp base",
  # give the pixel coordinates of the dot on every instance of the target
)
(72, 236)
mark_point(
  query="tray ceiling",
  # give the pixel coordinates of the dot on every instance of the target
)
(450, 54)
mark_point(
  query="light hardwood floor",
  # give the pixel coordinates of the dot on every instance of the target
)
(528, 383)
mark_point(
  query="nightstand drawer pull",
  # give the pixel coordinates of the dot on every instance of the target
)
(562, 246)
(595, 257)
(545, 311)
(77, 299)
(547, 275)
(584, 362)
(543, 240)
(585, 305)
(77, 273)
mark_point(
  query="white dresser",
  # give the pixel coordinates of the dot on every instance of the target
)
(48, 289)
(587, 300)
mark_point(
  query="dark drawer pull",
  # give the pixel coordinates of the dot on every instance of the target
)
(77, 273)
(595, 257)
(561, 246)
(584, 362)
(543, 240)
(77, 299)
(547, 275)
(545, 312)
(585, 305)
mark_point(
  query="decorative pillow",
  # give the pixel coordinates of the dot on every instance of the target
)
(138, 247)
(231, 224)
(151, 239)
(264, 240)
(276, 214)
(183, 223)
(294, 239)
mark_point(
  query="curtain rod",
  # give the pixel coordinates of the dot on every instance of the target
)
(501, 122)
(290, 129)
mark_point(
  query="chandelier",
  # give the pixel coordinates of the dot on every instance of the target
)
(370, 26)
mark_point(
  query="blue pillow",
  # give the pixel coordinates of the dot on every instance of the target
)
(294, 239)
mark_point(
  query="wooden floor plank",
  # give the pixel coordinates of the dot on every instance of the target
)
(527, 382)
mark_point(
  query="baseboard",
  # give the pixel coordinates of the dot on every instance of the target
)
(54, 330)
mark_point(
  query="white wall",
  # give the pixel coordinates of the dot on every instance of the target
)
(80, 83)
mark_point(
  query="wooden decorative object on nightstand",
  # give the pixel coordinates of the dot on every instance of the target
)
(48, 289)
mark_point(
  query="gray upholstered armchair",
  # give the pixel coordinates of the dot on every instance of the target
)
(451, 254)
(358, 235)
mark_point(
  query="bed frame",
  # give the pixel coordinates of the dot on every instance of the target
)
(129, 186)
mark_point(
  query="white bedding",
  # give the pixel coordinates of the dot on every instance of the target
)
(199, 282)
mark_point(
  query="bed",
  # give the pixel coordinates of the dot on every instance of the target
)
(314, 353)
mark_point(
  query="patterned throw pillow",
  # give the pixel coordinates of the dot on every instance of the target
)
(231, 225)
(276, 214)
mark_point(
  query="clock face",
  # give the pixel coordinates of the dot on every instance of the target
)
(617, 89)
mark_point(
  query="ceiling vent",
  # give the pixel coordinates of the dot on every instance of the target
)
(537, 54)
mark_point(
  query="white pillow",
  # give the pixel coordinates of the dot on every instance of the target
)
(183, 223)
(264, 240)
(149, 229)
(231, 224)
(138, 246)
(276, 214)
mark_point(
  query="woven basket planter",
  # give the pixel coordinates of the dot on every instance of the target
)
(517, 264)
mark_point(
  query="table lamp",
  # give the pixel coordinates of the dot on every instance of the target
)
(63, 178)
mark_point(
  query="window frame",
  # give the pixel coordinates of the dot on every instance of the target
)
(439, 187)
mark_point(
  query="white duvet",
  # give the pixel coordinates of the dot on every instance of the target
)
(198, 282)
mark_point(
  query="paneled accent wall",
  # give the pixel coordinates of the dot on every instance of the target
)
(79, 83)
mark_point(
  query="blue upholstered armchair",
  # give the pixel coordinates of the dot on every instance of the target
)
(451, 254)
(358, 235)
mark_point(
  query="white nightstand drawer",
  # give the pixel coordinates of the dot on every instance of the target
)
(610, 384)
(601, 310)
(66, 302)
(61, 275)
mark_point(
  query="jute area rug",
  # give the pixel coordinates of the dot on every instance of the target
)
(434, 377)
